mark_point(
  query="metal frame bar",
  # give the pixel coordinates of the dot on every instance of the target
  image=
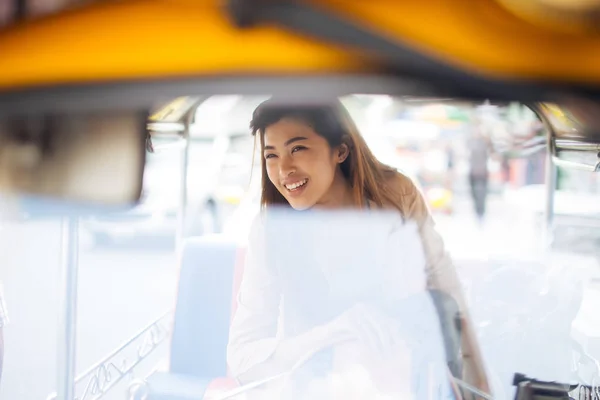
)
(67, 343)
(553, 161)
(551, 181)
(183, 192)
(575, 165)
(67, 337)
(141, 94)
(573, 145)
(104, 375)
(167, 127)
(550, 178)
(182, 212)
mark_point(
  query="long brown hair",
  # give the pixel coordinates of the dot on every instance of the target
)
(368, 177)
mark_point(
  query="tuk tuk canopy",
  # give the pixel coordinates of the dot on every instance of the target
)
(159, 39)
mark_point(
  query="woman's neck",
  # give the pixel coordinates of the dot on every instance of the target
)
(339, 195)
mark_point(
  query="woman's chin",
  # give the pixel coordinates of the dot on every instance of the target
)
(300, 207)
(300, 204)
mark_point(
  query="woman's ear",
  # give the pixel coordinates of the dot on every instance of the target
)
(343, 152)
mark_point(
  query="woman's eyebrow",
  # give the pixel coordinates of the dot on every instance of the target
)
(295, 139)
(288, 142)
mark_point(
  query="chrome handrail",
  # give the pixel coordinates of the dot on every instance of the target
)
(576, 165)
(574, 145)
(165, 127)
(99, 379)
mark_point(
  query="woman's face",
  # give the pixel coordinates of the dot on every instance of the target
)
(300, 163)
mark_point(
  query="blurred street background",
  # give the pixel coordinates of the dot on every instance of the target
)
(128, 266)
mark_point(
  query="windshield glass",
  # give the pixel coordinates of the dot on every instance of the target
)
(399, 252)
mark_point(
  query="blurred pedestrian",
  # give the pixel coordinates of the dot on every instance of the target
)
(479, 154)
(450, 165)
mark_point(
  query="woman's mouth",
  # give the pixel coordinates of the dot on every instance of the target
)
(296, 186)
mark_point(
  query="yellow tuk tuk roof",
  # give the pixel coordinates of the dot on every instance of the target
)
(157, 39)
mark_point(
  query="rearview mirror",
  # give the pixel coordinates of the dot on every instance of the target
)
(94, 157)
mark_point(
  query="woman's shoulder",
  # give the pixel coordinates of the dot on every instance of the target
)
(399, 182)
(257, 225)
(267, 222)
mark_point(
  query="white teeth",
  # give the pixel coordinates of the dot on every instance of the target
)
(296, 185)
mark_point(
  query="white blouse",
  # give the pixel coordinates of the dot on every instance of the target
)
(394, 247)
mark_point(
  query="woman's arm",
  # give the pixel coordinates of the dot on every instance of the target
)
(441, 275)
(252, 335)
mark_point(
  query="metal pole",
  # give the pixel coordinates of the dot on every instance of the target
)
(68, 310)
(181, 212)
(551, 180)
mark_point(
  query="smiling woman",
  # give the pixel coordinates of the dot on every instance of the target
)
(313, 157)
(303, 167)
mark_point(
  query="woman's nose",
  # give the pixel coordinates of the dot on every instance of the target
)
(286, 167)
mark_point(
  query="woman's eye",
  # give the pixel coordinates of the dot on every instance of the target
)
(297, 148)
(267, 156)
